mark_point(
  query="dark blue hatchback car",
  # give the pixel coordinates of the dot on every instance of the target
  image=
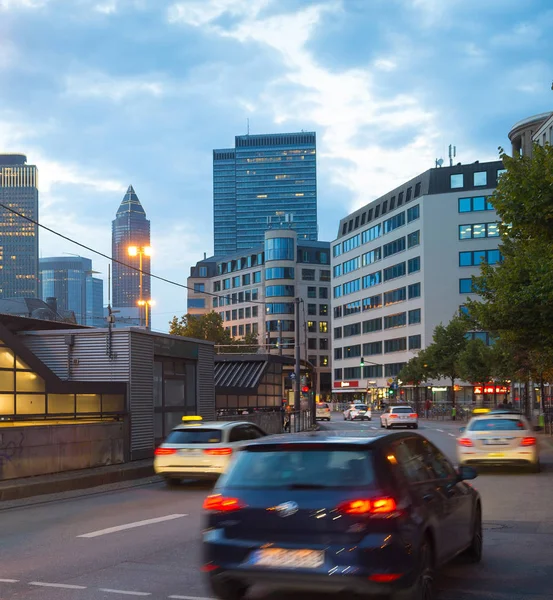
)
(372, 517)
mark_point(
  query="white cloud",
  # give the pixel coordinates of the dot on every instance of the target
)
(339, 104)
(202, 12)
(385, 64)
(22, 4)
(115, 89)
(106, 8)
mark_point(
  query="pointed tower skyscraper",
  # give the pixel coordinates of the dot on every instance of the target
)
(131, 245)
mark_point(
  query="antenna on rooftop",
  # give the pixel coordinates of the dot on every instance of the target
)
(452, 154)
(439, 163)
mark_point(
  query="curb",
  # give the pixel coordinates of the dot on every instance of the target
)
(17, 489)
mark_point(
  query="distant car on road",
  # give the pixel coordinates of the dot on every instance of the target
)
(499, 437)
(399, 416)
(358, 411)
(322, 411)
(202, 450)
(288, 506)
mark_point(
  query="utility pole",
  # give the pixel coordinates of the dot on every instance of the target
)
(297, 380)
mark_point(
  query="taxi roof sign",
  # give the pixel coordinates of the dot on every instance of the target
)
(480, 411)
(188, 419)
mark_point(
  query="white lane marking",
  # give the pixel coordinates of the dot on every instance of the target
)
(440, 430)
(188, 598)
(9, 580)
(65, 586)
(117, 528)
(451, 434)
(125, 592)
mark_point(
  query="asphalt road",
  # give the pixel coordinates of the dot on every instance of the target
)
(142, 540)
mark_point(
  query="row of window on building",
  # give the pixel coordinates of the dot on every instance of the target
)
(412, 342)
(368, 371)
(401, 319)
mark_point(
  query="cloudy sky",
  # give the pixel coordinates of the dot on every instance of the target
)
(103, 93)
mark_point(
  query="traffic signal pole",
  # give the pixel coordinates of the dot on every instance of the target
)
(297, 382)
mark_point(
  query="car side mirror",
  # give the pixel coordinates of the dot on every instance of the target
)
(465, 473)
(462, 429)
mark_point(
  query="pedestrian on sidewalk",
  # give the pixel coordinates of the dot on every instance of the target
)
(427, 408)
(454, 413)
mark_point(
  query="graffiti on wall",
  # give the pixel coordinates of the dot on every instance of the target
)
(10, 449)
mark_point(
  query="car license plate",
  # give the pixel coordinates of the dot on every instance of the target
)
(495, 442)
(288, 559)
(496, 455)
(190, 453)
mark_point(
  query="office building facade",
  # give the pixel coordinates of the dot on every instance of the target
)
(131, 229)
(70, 280)
(256, 183)
(532, 130)
(255, 291)
(18, 237)
(403, 264)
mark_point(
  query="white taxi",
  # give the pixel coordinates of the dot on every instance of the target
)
(322, 412)
(202, 450)
(357, 410)
(500, 438)
(399, 416)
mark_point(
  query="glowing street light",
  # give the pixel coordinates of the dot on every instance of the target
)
(141, 251)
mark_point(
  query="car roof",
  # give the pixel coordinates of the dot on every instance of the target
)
(210, 425)
(332, 438)
(402, 406)
(498, 415)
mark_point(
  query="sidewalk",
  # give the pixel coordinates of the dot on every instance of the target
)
(16, 489)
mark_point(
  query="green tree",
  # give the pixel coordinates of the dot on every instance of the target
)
(414, 373)
(476, 362)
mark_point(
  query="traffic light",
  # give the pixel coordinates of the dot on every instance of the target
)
(391, 392)
(362, 362)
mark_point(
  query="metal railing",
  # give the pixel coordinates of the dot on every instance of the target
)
(297, 421)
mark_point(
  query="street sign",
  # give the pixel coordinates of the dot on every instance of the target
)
(292, 375)
(390, 380)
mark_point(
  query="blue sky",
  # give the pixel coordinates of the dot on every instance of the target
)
(104, 93)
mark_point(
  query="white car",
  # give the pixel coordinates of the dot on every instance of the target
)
(201, 450)
(399, 416)
(357, 411)
(499, 438)
(322, 411)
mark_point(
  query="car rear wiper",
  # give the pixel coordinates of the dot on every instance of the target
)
(307, 486)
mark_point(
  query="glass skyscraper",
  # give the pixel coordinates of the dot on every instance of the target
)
(130, 228)
(18, 237)
(258, 182)
(69, 279)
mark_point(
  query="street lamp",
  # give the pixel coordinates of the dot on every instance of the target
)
(140, 251)
(146, 304)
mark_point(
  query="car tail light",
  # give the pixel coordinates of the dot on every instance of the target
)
(165, 451)
(369, 506)
(385, 577)
(393, 416)
(219, 503)
(465, 442)
(413, 415)
(528, 441)
(218, 451)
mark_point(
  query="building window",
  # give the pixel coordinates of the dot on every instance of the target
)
(372, 302)
(254, 311)
(323, 360)
(352, 329)
(372, 325)
(248, 312)
(352, 308)
(351, 287)
(395, 345)
(394, 222)
(324, 275)
(323, 310)
(480, 179)
(372, 279)
(371, 234)
(414, 291)
(415, 342)
(456, 181)
(240, 313)
(414, 239)
(395, 296)
(323, 293)
(323, 344)
(501, 171)
(351, 243)
(393, 369)
(234, 315)
(337, 333)
(312, 292)
(351, 265)
(478, 230)
(397, 320)
(337, 250)
(246, 279)
(323, 326)
(414, 316)
(312, 343)
(279, 249)
(257, 277)
(417, 189)
(413, 213)
(199, 287)
(216, 286)
(337, 353)
(352, 351)
(337, 270)
(414, 265)
(370, 257)
(372, 348)
(236, 281)
(394, 247)
(337, 374)
(337, 312)
(476, 204)
(394, 271)
(465, 286)
(308, 274)
(372, 371)
(477, 257)
(278, 308)
(278, 273)
(337, 292)
(311, 309)
(312, 326)
(203, 271)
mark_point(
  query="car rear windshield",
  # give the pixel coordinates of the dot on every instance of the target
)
(361, 406)
(194, 436)
(402, 410)
(322, 405)
(497, 425)
(301, 469)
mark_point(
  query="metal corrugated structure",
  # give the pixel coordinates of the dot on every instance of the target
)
(141, 402)
(239, 374)
(206, 381)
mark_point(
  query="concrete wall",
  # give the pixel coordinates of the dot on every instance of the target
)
(44, 449)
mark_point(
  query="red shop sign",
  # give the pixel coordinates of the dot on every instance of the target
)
(346, 384)
(490, 389)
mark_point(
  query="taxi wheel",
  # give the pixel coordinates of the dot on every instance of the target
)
(227, 590)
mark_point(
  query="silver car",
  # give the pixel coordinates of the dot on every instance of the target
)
(399, 416)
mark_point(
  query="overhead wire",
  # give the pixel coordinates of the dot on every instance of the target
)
(115, 260)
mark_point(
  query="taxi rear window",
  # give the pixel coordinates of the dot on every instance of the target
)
(194, 435)
(361, 406)
(402, 410)
(321, 468)
(322, 405)
(497, 425)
